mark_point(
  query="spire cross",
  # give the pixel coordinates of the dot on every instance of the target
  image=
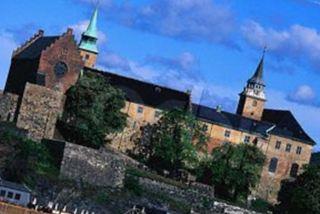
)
(264, 50)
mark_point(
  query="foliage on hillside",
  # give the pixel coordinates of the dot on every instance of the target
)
(92, 111)
(172, 143)
(24, 157)
(301, 195)
(233, 170)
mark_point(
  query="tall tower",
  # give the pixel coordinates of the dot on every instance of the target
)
(88, 44)
(253, 98)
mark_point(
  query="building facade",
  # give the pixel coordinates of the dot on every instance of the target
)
(14, 193)
(45, 67)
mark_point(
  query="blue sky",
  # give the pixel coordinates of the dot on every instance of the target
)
(208, 46)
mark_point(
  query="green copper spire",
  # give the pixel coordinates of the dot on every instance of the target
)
(92, 28)
(90, 36)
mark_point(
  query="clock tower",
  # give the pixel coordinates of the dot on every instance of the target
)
(253, 98)
(88, 44)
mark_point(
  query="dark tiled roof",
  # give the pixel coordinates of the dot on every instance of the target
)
(147, 93)
(35, 49)
(286, 125)
(14, 186)
(230, 120)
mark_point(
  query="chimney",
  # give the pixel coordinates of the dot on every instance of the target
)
(219, 108)
(69, 31)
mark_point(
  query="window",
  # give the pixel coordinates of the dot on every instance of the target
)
(157, 114)
(254, 103)
(10, 195)
(2, 193)
(17, 196)
(299, 150)
(205, 127)
(294, 170)
(273, 165)
(227, 133)
(288, 147)
(140, 109)
(278, 144)
(247, 139)
(87, 56)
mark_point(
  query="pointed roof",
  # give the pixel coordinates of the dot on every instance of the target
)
(92, 30)
(90, 36)
(258, 74)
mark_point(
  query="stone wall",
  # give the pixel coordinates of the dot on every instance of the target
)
(96, 167)
(8, 106)
(195, 194)
(39, 110)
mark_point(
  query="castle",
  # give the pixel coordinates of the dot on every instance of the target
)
(45, 67)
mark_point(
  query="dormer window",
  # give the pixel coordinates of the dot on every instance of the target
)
(140, 109)
(247, 139)
(227, 133)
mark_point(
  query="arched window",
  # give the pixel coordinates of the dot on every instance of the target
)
(273, 165)
(294, 170)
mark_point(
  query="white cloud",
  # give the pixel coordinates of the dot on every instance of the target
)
(304, 94)
(81, 26)
(189, 20)
(8, 44)
(298, 42)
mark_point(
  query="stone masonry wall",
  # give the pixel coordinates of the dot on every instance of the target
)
(40, 108)
(8, 106)
(194, 194)
(96, 167)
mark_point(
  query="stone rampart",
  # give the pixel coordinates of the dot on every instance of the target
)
(96, 167)
(39, 111)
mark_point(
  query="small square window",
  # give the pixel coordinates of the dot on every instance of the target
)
(157, 114)
(140, 109)
(299, 150)
(17, 196)
(254, 103)
(2, 193)
(227, 133)
(10, 195)
(278, 145)
(288, 147)
(247, 139)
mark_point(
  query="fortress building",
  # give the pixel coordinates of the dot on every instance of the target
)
(45, 67)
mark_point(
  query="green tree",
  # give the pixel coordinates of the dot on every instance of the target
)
(301, 195)
(92, 111)
(233, 170)
(21, 157)
(173, 142)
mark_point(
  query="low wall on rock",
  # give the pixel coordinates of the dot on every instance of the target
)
(195, 194)
(96, 167)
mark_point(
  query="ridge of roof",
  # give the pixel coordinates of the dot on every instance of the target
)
(285, 120)
(34, 50)
(12, 185)
(137, 80)
(238, 122)
(145, 93)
